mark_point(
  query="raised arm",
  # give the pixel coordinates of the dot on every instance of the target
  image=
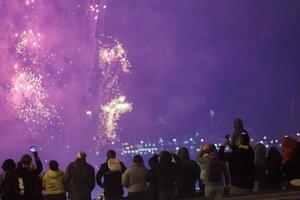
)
(99, 176)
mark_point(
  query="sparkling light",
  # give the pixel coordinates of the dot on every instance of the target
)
(28, 40)
(109, 55)
(112, 112)
(28, 96)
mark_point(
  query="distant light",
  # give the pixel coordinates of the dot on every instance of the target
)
(265, 137)
(298, 134)
(201, 140)
(174, 140)
(267, 146)
(191, 139)
(276, 141)
(252, 140)
(142, 142)
(272, 141)
(88, 112)
(177, 148)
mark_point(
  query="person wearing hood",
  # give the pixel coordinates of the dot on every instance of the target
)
(29, 186)
(216, 176)
(9, 184)
(187, 174)
(53, 182)
(111, 171)
(135, 178)
(79, 178)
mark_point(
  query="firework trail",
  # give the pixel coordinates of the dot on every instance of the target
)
(27, 92)
(112, 62)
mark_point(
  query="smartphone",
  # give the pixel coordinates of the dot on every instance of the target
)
(32, 149)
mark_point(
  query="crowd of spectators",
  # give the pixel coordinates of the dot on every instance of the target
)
(236, 168)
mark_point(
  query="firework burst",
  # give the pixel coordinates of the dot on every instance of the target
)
(111, 113)
(28, 97)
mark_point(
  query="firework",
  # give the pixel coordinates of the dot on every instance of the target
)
(27, 40)
(111, 113)
(111, 54)
(28, 97)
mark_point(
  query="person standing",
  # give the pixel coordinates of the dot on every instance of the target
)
(9, 184)
(79, 178)
(241, 165)
(53, 182)
(111, 172)
(216, 176)
(135, 178)
(165, 172)
(187, 174)
(238, 130)
(29, 177)
(260, 167)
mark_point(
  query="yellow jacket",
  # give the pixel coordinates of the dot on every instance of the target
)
(53, 182)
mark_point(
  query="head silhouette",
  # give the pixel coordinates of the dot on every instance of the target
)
(111, 154)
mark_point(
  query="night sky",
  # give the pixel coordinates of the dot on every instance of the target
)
(196, 66)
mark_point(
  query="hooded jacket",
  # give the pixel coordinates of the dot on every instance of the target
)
(111, 171)
(53, 182)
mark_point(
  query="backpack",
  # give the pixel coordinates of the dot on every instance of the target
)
(215, 171)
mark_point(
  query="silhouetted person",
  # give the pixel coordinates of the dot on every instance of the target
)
(29, 180)
(135, 178)
(241, 165)
(53, 182)
(153, 188)
(9, 186)
(80, 178)
(165, 173)
(260, 166)
(290, 160)
(215, 173)
(187, 174)
(274, 178)
(238, 130)
(111, 171)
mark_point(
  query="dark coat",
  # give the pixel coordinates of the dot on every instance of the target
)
(187, 175)
(31, 181)
(274, 177)
(112, 182)
(9, 187)
(241, 166)
(79, 180)
(164, 171)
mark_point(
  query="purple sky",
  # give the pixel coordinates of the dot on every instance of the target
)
(190, 59)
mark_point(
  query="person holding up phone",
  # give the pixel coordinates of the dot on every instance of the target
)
(29, 180)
